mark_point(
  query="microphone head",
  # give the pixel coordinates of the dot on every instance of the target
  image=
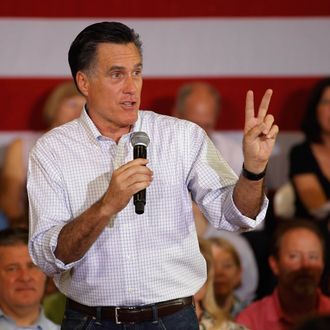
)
(140, 138)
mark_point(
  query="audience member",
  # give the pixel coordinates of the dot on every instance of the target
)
(309, 160)
(210, 315)
(228, 275)
(309, 165)
(63, 104)
(200, 103)
(246, 291)
(22, 285)
(297, 261)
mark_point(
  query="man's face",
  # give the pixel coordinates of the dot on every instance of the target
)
(113, 86)
(22, 284)
(201, 108)
(300, 262)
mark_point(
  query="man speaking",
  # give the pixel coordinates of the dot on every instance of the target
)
(117, 267)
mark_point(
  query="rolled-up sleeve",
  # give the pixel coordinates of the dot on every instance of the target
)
(49, 210)
(212, 182)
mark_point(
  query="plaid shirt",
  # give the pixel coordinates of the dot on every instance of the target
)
(138, 259)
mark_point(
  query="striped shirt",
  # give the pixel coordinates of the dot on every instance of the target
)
(138, 259)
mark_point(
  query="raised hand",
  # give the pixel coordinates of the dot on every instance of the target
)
(259, 133)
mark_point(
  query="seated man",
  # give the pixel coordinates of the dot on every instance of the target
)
(22, 285)
(200, 103)
(297, 260)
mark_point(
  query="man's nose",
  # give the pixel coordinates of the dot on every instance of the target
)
(306, 262)
(25, 274)
(130, 85)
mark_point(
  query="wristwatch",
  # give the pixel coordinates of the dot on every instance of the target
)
(253, 176)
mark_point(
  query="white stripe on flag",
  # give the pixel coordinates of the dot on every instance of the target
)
(179, 47)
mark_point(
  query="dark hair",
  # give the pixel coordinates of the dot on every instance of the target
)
(14, 236)
(83, 49)
(316, 322)
(289, 225)
(310, 125)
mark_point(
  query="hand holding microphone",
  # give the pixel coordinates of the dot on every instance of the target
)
(127, 178)
(140, 142)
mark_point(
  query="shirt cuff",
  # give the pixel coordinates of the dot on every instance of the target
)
(55, 265)
(242, 222)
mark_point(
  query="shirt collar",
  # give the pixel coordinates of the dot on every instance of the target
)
(40, 324)
(95, 135)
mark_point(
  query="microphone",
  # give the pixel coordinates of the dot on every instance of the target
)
(140, 141)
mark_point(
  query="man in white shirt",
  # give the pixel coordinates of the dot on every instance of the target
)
(116, 267)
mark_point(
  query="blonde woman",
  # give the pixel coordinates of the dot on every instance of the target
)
(210, 315)
(63, 104)
(227, 277)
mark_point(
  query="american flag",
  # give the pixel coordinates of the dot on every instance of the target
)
(236, 45)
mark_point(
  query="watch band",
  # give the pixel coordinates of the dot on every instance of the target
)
(253, 176)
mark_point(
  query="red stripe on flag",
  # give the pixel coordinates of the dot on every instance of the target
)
(169, 8)
(22, 99)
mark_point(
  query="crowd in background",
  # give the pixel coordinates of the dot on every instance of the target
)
(271, 278)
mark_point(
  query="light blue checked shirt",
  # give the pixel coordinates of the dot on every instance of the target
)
(138, 259)
(6, 323)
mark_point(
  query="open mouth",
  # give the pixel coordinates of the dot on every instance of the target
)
(128, 104)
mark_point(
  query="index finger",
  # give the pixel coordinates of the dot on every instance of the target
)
(263, 108)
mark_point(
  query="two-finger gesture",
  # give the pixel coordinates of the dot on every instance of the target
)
(259, 133)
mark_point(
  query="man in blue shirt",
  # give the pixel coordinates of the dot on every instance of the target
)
(22, 285)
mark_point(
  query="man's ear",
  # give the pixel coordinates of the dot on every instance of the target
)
(82, 82)
(273, 264)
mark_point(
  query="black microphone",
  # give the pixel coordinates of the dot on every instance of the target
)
(140, 141)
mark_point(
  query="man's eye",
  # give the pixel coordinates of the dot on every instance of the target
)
(137, 73)
(293, 256)
(11, 269)
(116, 74)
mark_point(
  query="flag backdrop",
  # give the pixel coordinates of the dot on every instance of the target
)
(236, 45)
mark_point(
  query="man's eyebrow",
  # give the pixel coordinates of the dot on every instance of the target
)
(119, 67)
(12, 264)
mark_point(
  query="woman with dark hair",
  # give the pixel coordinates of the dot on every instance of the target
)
(310, 160)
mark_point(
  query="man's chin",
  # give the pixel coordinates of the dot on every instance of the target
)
(305, 288)
(27, 298)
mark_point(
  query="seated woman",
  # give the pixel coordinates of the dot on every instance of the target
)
(210, 315)
(228, 275)
(63, 104)
(310, 160)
